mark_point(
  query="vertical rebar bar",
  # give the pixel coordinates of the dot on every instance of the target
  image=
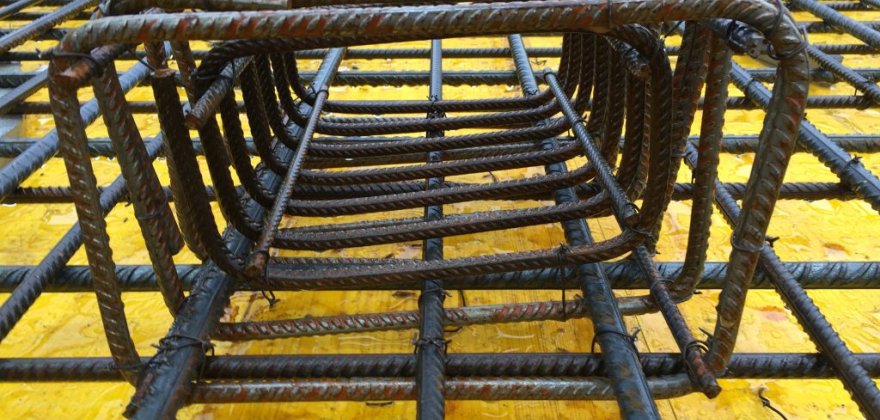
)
(619, 353)
(256, 264)
(430, 345)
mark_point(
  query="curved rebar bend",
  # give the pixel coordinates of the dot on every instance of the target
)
(327, 28)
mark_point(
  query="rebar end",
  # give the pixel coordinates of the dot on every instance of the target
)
(256, 265)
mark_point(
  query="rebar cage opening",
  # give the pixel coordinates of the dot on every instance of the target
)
(250, 171)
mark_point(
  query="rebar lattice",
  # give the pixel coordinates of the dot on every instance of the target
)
(610, 127)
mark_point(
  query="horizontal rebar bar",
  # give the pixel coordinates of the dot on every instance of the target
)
(742, 366)
(418, 53)
(810, 191)
(738, 144)
(836, 275)
(456, 78)
(738, 102)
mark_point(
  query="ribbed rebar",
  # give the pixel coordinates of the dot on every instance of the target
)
(742, 366)
(612, 63)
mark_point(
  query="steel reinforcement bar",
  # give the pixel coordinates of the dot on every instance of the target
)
(614, 99)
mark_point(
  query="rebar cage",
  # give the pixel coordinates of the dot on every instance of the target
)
(274, 184)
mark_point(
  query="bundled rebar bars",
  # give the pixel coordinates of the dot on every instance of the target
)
(610, 128)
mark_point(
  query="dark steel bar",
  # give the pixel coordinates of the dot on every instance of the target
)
(868, 87)
(29, 16)
(32, 29)
(10, 100)
(415, 53)
(15, 7)
(624, 209)
(742, 366)
(850, 170)
(738, 144)
(400, 320)
(834, 17)
(717, 79)
(378, 389)
(748, 144)
(65, 78)
(499, 77)
(158, 227)
(45, 3)
(791, 191)
(54, 34)
(255, 266)
(477, 78)
(628, 381)
(833, 5)
(456, 78)
(430, 346)
(842, 5)
(738, 102)
(14, 80)
(830, 275)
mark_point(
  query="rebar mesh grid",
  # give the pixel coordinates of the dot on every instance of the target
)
(614, 99)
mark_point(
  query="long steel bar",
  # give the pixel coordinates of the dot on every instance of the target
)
(790, 191)
(17, 95)
(855, 28)
(417, 53)
(430, 346)
(837, 4)
(742, 366)
(739, 102)
(737, 144)
(151, 209)
(381, 389)
(628, 381)
(401, 320)
(44, 23)
(810, 27)
(17, 6)
(830, 275)
(476, 78)
(256, 263)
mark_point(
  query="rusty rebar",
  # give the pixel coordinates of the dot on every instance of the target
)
(612, 63)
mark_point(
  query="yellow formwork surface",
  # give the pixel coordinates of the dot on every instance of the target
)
(69, 324)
